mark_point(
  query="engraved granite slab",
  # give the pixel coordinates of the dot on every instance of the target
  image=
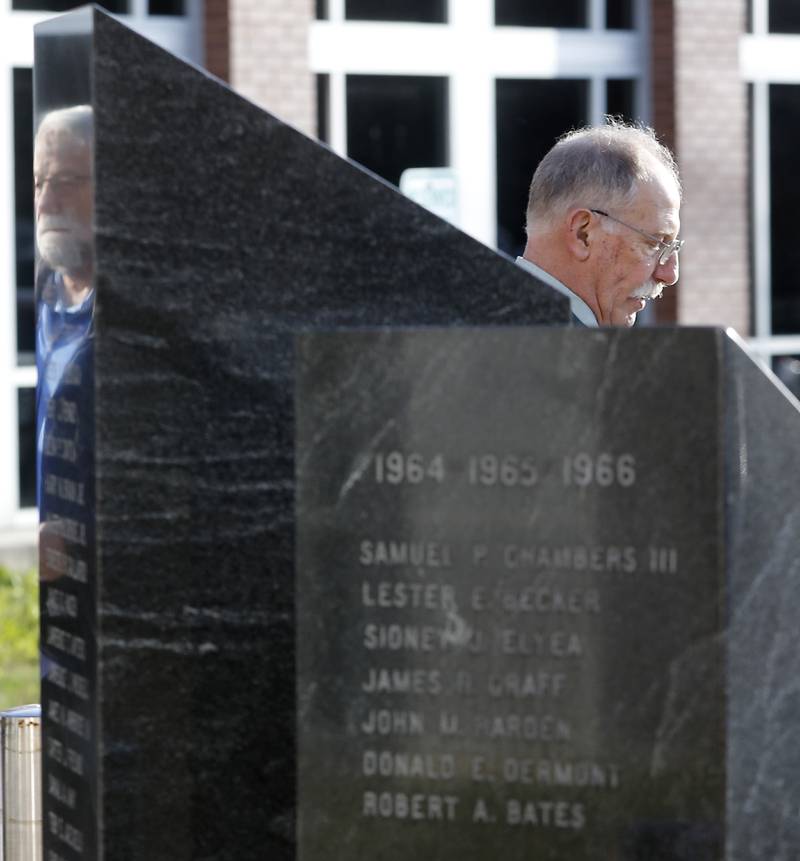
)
(168, 603)
(511, 595)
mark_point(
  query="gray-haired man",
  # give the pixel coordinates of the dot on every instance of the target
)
(602, 222)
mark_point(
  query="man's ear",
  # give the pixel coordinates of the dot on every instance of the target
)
(579, 238)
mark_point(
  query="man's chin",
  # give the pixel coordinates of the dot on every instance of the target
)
(627, 316)
(64, 255)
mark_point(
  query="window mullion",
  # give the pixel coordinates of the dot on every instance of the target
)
(597, 100)
(336, 10)
(596, 14)
(760, 16)
(762, 241)
(9, 489)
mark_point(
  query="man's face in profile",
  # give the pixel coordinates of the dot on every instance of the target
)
(64, 199)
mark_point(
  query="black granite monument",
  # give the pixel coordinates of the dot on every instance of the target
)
(165, 429)
(546, 579)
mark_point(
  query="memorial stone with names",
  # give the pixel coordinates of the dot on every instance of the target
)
(165, 437)
(509, 611)
(448, 491)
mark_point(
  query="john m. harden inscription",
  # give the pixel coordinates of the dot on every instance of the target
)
(503, 629)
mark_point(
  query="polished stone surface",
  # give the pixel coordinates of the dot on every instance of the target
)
(219, 232)
(511, 585)
(445, 480)
(762, 530)
(65, 425)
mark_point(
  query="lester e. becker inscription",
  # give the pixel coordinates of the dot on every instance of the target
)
(508, 594)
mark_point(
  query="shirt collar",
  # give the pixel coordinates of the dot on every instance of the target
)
(578, 307)
(60, 307)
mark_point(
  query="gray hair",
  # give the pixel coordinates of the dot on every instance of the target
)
(596, 167)
(76, 122)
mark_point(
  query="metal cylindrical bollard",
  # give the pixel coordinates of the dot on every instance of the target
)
(21, 784)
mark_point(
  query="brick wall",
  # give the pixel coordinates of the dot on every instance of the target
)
(662, 68)
(217, 38)
(711, 143)
(269, 57)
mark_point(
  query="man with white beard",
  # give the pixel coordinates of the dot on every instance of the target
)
(64, 202)
(64, 208)
(603, 220)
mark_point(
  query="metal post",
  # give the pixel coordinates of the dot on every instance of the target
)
(21, 784)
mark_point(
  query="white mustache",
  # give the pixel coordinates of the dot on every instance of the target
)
(57, 222)
(650, 290)
(64, 241)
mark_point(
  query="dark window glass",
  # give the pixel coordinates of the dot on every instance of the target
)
(787, 369)
(540, 13)
(784, 113)
(26, 406)
(427, 11)
(784, 16)
(118, 7)
(619, 14)
(321, 9)
(751, 215)
(621, 98)
(530, 116)
(23, 211)
(165, 7)
(323, 107)
(395, 122)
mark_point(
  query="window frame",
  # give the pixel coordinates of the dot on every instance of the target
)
(338, 47)
(765, 58)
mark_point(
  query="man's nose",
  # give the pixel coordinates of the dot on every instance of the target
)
(667, 272)
(48, 198)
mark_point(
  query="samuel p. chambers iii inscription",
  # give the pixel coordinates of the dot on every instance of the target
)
(508, 596)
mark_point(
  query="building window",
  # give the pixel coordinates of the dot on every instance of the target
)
(784, 129)
(619, 14)
(395, 122)
(424, 11)
(542, 13)
(323, 107)
(530, 115)
(784, 16)
(26, 411)
(23, 212)
(117, 7)
(621, 98)
(165, 7)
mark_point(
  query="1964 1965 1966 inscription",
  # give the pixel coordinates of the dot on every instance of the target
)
(581, 469)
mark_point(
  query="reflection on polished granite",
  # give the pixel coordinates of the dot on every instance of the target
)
(219, 232)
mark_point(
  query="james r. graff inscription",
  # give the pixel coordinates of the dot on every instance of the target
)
(508, 597)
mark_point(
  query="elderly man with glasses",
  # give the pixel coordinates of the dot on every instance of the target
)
(603, 220)
(64, 207)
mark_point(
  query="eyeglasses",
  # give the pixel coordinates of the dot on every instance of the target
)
(62, 183)
(667, 248)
